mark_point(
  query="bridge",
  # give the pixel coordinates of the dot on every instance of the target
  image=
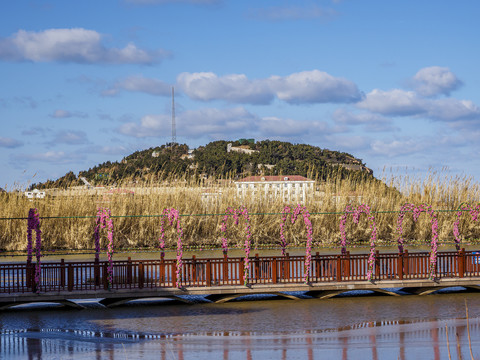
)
(222, 279)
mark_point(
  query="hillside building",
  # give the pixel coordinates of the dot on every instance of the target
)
(291, 188)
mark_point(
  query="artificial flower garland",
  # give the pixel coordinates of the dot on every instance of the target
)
(356, 212)
(417, 210)
(473, 213)
(173, 217)
(236, 214)
(299, 209)
(104, 220)
(34, 224)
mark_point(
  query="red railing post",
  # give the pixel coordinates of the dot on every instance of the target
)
(62, 273)
(339, 268)
(162, 269)
(70, 277)
(225, 269)
(141, 275)
(406, 263)
(286, 267)
(257, 266)
(346, 268)
(96, 272)
(377, 265)
(174, 274)
(461, 263)
(317, 266)
(28, 274)
(274, 271)
(105, 276)
(400, 266)
(241, 271)
(129, 271)
(209, 272)
(194, 270)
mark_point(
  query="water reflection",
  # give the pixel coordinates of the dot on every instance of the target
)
(367, 328)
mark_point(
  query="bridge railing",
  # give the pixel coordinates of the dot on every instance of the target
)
(229, 271)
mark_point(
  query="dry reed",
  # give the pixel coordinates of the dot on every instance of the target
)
(139, 228)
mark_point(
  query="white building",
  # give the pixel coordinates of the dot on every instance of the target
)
(35, 194)
(288, 187)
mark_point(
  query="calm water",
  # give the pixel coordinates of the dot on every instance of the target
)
(354, 327)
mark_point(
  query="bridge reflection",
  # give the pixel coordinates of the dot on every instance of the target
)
(393, 338)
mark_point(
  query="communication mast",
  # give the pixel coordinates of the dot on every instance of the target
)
(174, 130)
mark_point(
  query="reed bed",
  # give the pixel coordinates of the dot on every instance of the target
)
(68, 219)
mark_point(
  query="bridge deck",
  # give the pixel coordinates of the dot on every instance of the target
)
(223, 278)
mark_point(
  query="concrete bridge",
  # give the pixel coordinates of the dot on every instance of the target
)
(222, 279)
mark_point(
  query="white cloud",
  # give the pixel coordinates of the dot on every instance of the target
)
(56, 157)
(274, 127)
(211, 123)
(435, 80)
(64, 114)
(407, 103)
(70, 137)
(371, 122)
(314, 87)
(278, 13)
(453, 109)
(394, 102)
(75, 45)
(139, 83)
(235, 88)
(298, 88)
(398, 147)
(10, 143)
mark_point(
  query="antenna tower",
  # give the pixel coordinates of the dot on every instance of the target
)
(174, 130)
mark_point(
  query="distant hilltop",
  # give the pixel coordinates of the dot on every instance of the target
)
(219, 160)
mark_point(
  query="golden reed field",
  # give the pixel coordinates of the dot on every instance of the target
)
(72, 213)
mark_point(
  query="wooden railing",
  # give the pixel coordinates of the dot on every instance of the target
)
(209, 272)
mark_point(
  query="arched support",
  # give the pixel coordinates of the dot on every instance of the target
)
(423, 290)
(66, 303)
(385, 292)
(220, 298)
(113, 302)
(325, 294)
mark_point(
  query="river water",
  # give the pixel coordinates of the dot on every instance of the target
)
(358, 326)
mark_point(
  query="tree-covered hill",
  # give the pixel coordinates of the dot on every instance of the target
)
(218, 160)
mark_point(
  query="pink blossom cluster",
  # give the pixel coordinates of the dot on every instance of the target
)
(473, 213)
(104, 220)
(34, 224)
(404, 209)
(237, 214)
(229, 212)
(356, 212)
(173, 217)
(417, 210)
(299, 209)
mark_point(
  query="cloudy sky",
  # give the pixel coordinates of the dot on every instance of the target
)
(395, 83)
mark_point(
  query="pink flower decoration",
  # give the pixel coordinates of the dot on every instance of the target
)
(299, 209)
(473, 213)
(104, 220)
(417, 210)
(356, 212)
(236, 214)
(34, 224)
(173, 217)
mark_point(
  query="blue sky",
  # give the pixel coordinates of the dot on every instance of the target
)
(395, 83)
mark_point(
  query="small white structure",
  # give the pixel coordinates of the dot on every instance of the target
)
(211, 197)
(287, 188)
(244, 150)
(35, 194)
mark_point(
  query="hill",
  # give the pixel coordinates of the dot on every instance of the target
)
(220, 159)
